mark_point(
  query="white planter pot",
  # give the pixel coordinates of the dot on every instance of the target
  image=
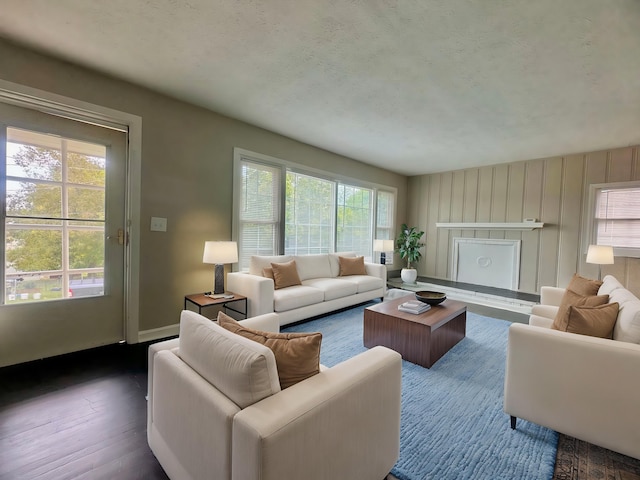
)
(409, 275)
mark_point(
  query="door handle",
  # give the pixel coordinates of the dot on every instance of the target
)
(122, 237)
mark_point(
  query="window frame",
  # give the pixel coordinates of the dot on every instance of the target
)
(591, 236)
(241, 155)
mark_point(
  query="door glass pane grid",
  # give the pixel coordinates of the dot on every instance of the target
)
(54, 228)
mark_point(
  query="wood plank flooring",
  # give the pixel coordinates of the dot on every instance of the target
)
(83, 416)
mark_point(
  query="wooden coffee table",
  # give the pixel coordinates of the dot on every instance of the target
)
(420, 339)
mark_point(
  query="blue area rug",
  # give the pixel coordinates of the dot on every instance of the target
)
(452, 426)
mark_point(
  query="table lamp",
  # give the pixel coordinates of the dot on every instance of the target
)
(600, 255)
(383, 246)
(219, 253)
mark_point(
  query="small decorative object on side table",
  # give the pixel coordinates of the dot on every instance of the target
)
(203, 300)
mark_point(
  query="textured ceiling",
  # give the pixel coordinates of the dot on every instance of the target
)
(413, 86)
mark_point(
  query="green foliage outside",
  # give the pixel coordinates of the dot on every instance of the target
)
(37, 249)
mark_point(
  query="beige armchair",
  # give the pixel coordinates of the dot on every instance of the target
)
(579, 385)
(343, 422)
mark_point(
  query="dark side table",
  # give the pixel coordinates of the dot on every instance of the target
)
(201, 301)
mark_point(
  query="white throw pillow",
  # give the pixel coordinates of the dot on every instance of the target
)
(243, 370)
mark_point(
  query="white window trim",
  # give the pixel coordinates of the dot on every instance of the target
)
(590, 233)
(47, 102)
(240, 153)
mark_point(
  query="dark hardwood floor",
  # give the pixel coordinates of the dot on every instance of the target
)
(83, 416)
(77, 416)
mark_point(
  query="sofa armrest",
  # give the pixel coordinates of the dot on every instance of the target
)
(268, 322)
(551, 295)
(376, 270)
(154, 348)
(258, 290)
(578, 385)
(341, 423)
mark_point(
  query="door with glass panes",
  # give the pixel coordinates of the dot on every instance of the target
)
(63, 234)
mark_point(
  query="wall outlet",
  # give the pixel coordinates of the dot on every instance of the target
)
(158, 224)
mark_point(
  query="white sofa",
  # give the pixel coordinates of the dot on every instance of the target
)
(581, 386)
(343, 422)
(323, 289)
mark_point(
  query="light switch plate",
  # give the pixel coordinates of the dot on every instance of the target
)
(158, 224)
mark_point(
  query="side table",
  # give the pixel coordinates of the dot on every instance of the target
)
(202, 300)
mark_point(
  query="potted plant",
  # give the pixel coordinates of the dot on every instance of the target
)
(408, 245)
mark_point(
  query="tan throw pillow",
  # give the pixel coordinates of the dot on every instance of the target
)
(285, 274)
(594, 321)
(584, 286)
(352, 266)
(571, 298)
(297, 354)
(267, 272)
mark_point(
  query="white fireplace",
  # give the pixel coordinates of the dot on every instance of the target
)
(486, 261)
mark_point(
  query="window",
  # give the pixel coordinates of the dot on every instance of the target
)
(54, 218)
(259, 210)
(616, 218)
(309, 213)
(321, 213)
(384, 220)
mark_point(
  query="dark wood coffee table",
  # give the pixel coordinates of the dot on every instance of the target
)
(422, 339)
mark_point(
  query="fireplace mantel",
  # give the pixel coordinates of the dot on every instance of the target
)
(492, 225)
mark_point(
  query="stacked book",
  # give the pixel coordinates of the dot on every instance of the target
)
(414, 306)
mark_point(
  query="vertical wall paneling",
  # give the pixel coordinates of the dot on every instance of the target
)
(444, 215)
(571, 201)
(550, 215)
(515, 193)
(485, 193)
(534, 177)
(499, 198)
(553, 190)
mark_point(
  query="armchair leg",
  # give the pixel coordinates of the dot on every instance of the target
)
(513, 422)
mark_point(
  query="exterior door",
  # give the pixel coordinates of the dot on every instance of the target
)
(63, 232)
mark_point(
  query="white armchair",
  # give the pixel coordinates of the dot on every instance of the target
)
(343, 422)
(579, 385)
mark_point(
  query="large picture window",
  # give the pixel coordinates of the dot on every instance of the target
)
(616, 217)
(321, 213)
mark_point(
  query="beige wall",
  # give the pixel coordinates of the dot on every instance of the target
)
(187, 157)
(553, 190)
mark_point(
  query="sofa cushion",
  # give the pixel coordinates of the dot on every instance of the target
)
(285, 274)
(364, 283)
(594, 321)
(351, 266)
(297, 354)
(332, 287)
(243, 370)
(584, 286)
(258, 262)
(609, 284)
(571, 298)
(627, 328)
(296, 297)
(334, 261)
(313, 266)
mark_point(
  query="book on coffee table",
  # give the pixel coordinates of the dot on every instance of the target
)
(414, 306)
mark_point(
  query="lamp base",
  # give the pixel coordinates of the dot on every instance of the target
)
(383, 258)
(218, 280)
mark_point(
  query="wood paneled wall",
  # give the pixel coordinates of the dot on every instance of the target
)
(552, 190)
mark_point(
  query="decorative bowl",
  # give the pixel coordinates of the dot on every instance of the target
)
(432, 298)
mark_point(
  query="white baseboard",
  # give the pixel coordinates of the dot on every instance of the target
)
(158, 333)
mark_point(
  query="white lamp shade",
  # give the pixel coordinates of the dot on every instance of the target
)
(220, 252)
(382, 245)
(600, 254)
